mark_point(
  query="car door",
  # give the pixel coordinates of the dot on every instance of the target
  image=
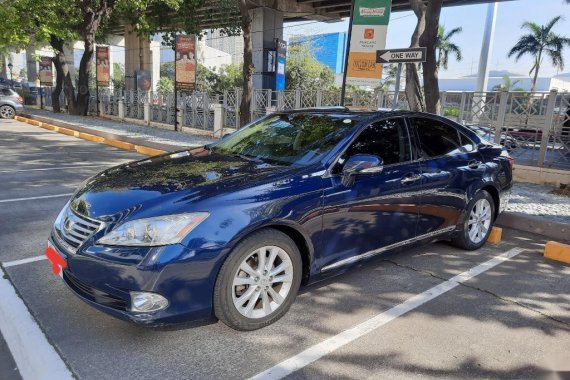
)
(450, 165)
(377, 210)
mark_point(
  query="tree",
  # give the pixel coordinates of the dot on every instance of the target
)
(167, 70)
(248, 68)
(539, 42)
(118, 76)
(507, 85)
(165, 85)
(304, 72)
(445, 46)
(425, 34)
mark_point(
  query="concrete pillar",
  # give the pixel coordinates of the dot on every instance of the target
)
(140, 54)
(31, 64)
(266, 26)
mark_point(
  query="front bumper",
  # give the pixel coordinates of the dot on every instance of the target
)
(187, 284)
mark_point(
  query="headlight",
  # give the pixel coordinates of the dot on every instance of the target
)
(160, 230)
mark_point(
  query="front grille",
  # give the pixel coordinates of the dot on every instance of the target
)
(76, 229)
(93, 294)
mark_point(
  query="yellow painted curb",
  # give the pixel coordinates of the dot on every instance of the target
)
(65, 131)
(50, 127)
(495, 235)
(557, 251)
(149, 151)
(119, 144)
(90, 137)
(94, 138)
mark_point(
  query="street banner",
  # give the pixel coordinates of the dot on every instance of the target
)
(144, 80)
(281, 47)
(103, 66)
(369, 29)
(46, 72)
(185, 58)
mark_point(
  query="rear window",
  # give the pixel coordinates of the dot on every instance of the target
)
(8, 92)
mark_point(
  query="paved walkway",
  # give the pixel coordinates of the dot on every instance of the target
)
(152, 134)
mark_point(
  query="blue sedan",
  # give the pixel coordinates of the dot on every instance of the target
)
(233, 229)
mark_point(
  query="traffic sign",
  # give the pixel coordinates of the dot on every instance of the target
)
(401, 55)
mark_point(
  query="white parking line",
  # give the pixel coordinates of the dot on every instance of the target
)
(319, 350)
(34, 198)
(55, 168)
(35, 357)
(14, 263)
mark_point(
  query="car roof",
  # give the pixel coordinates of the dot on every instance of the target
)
(360, 113)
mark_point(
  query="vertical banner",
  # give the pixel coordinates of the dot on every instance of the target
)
(369, 28)
(144, 80)
(103, 66)
(46, 73)
(185, 58)
(281, 48)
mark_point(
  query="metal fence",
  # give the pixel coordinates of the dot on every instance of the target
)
(535, 127)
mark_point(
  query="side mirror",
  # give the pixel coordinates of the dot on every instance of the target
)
(360, 164)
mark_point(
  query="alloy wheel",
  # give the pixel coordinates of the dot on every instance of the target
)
(262, 282)
(6, 112)
(479, 220)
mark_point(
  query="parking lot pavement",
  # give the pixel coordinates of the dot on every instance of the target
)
(511, 320)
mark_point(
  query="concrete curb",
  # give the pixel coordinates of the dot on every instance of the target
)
(108, 138)
(534, 224)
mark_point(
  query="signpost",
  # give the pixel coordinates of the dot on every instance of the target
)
(400, 56)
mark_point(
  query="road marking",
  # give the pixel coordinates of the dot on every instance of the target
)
(35, 357)
(44, 169)
(14, 263)
(331, 344)
(34, 198)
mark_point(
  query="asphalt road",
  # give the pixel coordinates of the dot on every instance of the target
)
(510, 321)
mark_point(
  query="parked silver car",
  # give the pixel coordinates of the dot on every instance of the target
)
(10, 103)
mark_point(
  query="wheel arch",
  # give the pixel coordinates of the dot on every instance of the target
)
(293, 231)
(494, 192)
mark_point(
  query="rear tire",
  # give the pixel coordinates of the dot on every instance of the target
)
(477, 223)
(259, 281)
(7, 112)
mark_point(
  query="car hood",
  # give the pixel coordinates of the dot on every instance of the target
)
(168, 182)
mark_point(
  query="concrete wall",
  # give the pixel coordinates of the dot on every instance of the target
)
(538, 175)
(212, 58)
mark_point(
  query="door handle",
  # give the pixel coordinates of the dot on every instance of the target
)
(474, 164)
(410, 179)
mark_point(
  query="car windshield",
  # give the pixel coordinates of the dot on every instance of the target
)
(288, 139)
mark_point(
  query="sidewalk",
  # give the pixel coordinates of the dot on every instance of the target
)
(167, 140)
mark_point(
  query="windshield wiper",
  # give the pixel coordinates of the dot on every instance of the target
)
(246, 157)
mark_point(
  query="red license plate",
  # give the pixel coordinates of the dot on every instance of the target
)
(57, 261)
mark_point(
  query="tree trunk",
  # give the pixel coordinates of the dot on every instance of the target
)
(536, 68)
(429, 39)
(413, 89)
(82, 102)
(248, 68)
(58, 61)
(62, 70)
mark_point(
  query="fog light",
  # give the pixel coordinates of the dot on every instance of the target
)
(144, 302)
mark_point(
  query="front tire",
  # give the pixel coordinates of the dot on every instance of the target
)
(477, 223)
(259, 281)
(7, 112)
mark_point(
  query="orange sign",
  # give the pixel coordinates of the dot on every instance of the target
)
(368, 33)
(363, 65)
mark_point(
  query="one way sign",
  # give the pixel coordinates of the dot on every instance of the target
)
(401, 55)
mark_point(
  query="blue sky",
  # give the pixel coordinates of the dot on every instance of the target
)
(510, 16)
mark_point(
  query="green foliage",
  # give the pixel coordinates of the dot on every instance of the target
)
(118, 76)
(165, 85)
(444, 46)
(541, 41)
(167, 70)
(304, 72)
(507, 85)
(451, 111)
(230, 76)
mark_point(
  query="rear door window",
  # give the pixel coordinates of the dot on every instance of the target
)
(440, 139)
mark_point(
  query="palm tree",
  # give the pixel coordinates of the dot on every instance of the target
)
(444, 46)
(541, 41)
(507, 85)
